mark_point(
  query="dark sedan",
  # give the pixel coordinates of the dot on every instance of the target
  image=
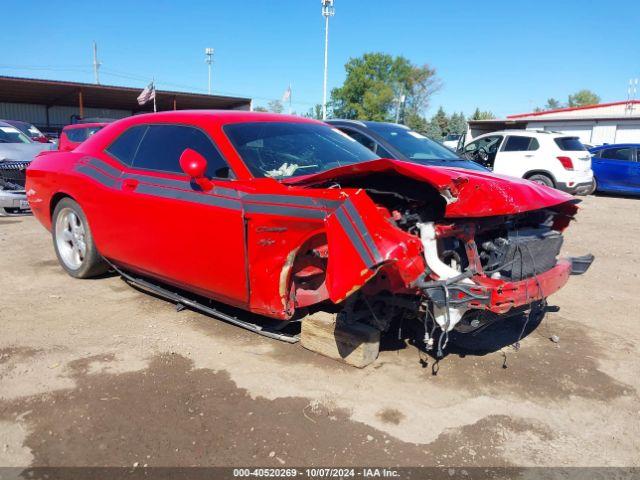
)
(391, 140)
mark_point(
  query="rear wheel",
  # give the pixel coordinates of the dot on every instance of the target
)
(73, 241)
(593, 188)
(542, 180)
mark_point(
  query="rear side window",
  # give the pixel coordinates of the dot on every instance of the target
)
(520, 144)
(569, 144)
(618, 154)
(158, 147)
(125, 146)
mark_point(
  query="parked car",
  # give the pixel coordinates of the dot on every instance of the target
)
(391, 140)
(550, 158)
(29, 130)
(616, 168)
(73, 135)
(277, 214)
(451, 140)
(16, 152)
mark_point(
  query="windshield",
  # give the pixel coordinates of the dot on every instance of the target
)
(411, 144)
(12, 135)
(281, 150)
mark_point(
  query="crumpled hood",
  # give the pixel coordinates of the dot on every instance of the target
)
(468, 193)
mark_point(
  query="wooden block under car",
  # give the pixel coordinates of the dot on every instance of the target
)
(356, 344)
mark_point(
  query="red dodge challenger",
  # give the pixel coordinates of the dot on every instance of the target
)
(279, 215)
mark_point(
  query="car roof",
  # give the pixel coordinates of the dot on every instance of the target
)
(75, 126)
(4, 123)
(220, 117)
(616, 145)
(363, 123)
(528, 133)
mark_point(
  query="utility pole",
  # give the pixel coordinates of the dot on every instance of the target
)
(328, 10)
(208, 53)
(96, 63)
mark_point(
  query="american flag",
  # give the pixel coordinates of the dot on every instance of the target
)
(149, 93)
(287, 94)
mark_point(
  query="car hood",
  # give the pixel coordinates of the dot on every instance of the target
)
(22, 152)
(468, 193)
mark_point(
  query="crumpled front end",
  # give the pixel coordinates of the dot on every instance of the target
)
(402, 246)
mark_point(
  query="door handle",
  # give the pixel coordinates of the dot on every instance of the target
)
(129, 184)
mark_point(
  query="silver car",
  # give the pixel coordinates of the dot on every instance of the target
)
(16, 152)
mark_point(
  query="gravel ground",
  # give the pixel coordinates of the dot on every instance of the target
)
(96, 373)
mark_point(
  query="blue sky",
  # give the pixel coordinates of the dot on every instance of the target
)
(503, 56)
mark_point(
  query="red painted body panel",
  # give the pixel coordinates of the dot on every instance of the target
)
(257, 243)
(475, 194)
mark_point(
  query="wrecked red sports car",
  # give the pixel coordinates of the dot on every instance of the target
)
(278, 215)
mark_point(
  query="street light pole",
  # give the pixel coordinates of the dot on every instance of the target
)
(327, 11)
(208, 52)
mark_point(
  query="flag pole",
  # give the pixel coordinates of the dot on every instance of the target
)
(153, 83)
(290, 94)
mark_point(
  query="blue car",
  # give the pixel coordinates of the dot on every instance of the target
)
(616, 168)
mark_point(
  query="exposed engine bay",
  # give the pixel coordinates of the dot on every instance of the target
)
(477, 270)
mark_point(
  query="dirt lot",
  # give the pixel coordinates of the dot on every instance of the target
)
(94, 372)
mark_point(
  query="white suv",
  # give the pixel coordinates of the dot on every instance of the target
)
(550, 158)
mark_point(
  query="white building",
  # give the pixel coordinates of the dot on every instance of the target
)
(617, 122)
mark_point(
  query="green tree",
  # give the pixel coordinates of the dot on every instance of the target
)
(482, 115)
(260, 109)
(457, 123)
(375, 82)
(315, 112)
(552, 104)
(583, 98)
(441, 122)
(275, 106)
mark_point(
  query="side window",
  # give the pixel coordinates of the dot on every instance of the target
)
(360, 138)
(534, 145)
(520, 144)
(125, 146)
(625, 154)
(158, 147)
(516, 144)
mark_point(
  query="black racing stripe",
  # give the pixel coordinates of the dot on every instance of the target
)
(167, 182)
(95, 162)
(227, 192)
(364, 231)
(286, 199)
(97, 175)
(353, 236)
(195, 197)
(288, 211)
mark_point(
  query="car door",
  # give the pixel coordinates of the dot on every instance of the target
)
(615, 168)
(483, 150)
(167, 226)
(518, 155)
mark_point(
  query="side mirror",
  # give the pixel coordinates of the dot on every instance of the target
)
(195, 166)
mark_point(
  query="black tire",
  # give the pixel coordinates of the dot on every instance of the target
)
(593, 189)
(90, 263)
(542, 179)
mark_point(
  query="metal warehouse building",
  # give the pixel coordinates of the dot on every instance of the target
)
(617, 122)
(50, 104)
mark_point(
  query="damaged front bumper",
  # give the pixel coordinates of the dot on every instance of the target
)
(455, 293)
